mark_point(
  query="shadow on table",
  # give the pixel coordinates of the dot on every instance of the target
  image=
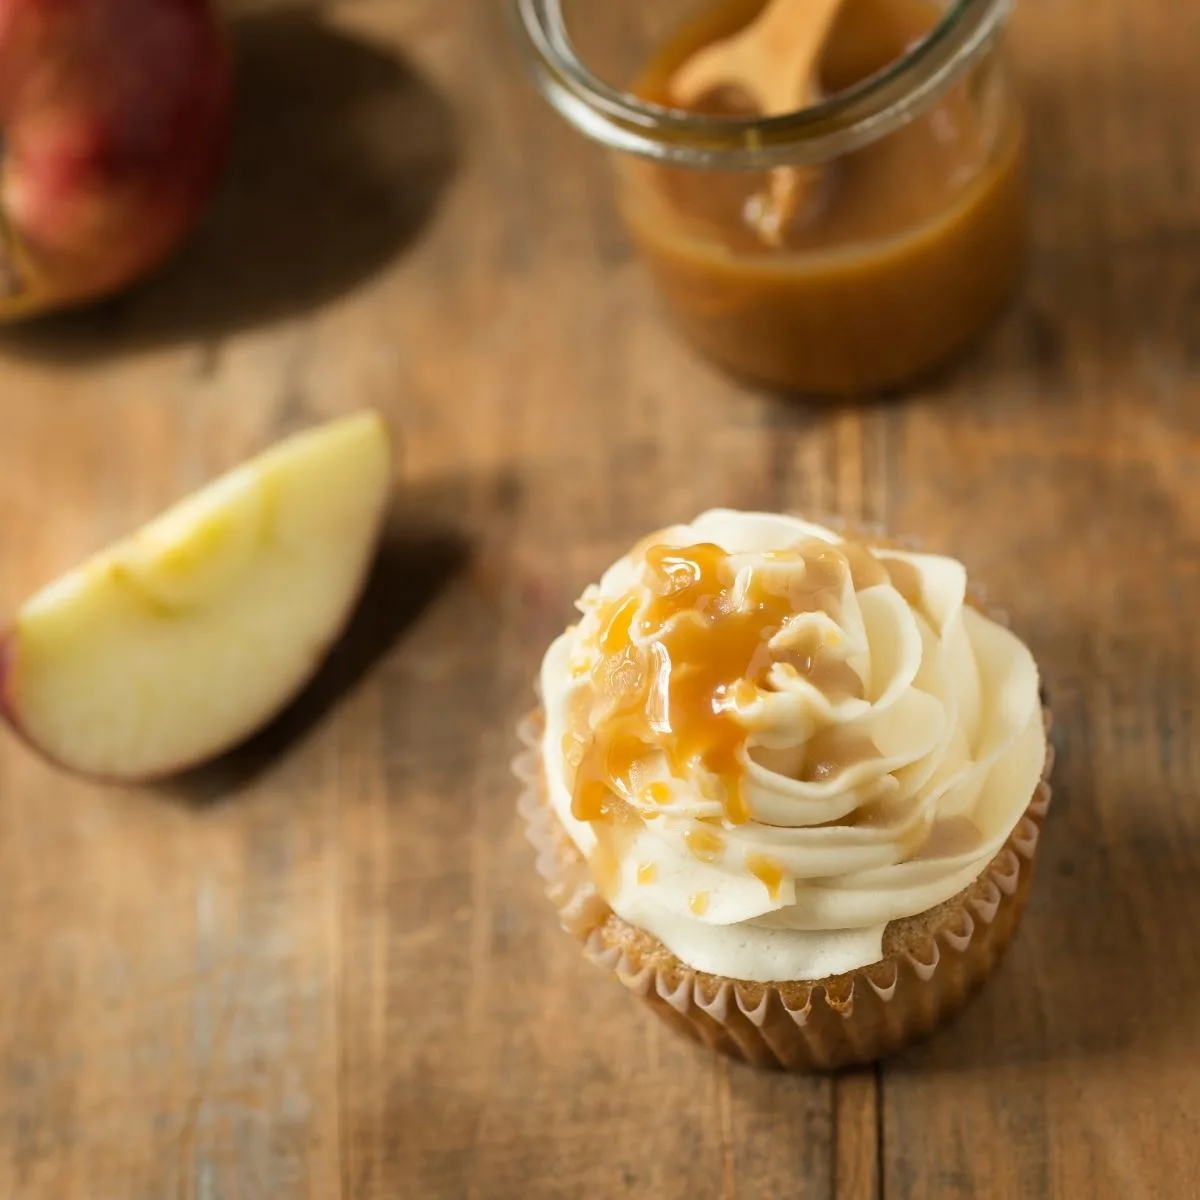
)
(341, 151)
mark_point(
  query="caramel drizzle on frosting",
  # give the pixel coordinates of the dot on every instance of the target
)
(675, 656)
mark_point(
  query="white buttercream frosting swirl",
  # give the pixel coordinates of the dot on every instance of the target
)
(857, 804)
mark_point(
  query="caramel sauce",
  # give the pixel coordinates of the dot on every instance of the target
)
(704, 844)
(605, 861)
(701, 650)
(901, 251)
(885, 188)
(669, 670)
(768, 871)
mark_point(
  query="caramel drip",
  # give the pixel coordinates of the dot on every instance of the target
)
(704, 844)
(647, 872)
(615, 834)
(700, 650)
(768, 871)
(605, 862)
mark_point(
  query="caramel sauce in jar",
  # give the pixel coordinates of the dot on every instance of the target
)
(901, 252)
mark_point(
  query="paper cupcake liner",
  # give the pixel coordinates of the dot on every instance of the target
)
(937, 961)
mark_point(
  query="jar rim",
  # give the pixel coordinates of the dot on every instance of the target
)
(834, 126)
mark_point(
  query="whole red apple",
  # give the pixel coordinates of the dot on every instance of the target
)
(114, 119)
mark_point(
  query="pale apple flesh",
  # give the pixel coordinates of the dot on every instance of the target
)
(114, 121)
(180, 641)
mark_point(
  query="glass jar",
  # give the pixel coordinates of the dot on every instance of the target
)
(906, 232)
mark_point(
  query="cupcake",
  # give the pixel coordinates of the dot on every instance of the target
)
(787, 786)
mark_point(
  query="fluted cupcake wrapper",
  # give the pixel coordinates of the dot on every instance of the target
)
(855, 1017)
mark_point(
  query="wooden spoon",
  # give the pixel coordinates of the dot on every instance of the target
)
(774, 61)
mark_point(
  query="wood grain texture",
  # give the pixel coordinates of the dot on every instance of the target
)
(323, 967)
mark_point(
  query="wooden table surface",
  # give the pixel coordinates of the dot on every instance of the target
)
(323, 966)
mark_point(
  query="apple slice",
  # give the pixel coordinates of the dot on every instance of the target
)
(183, 639)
